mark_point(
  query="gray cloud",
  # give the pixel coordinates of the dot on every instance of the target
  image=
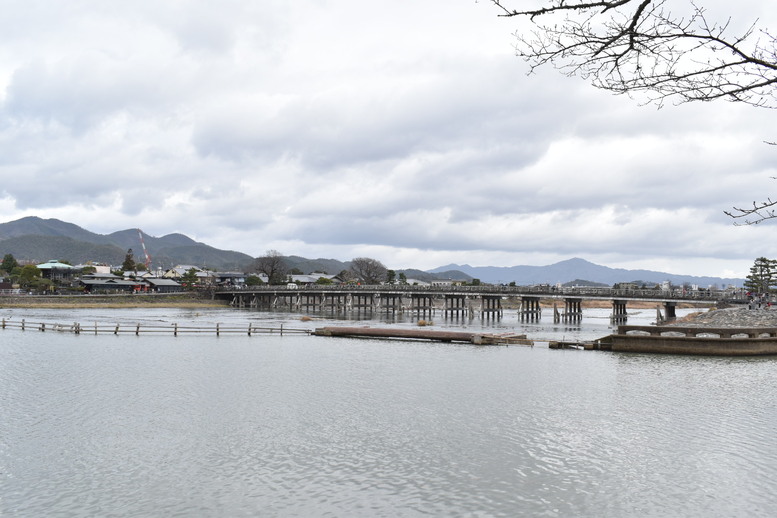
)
(316, 130)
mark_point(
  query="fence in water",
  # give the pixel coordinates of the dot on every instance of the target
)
(173, 329)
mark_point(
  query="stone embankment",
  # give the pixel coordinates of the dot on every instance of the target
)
(731, 317)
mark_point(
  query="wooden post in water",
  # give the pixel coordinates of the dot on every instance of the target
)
(137, 329)
(116, 331)
(249, 329)
(218, 331)
(175, 329)
(22, 324)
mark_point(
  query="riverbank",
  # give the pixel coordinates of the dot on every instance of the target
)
(171, 300)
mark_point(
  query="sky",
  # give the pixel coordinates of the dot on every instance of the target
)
(404, 131)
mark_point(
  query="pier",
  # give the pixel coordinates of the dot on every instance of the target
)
(424, 334)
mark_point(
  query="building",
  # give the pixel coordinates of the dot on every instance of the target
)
(57, 271)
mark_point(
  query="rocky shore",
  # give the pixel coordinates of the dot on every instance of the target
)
(731, 317)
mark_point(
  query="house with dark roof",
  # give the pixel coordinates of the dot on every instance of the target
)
(158, 285)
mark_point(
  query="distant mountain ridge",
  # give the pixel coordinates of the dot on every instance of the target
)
(576, 268)
(37, 239)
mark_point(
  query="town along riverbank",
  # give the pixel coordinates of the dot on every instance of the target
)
(173, 300)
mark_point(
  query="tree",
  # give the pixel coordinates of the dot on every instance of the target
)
(9, 263)
(129, 262)
(254, 280)
(29, 276)
(641, 47)
(273, 266)
(391, 276)
(189, 278)
(368, 271)
(762, 276)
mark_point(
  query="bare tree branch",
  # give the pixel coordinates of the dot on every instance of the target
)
(639, 48)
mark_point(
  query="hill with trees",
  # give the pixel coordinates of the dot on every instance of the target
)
(38, 240)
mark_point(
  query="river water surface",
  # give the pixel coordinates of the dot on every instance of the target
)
(314, 426)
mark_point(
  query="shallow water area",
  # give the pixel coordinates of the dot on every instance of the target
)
(299, 425)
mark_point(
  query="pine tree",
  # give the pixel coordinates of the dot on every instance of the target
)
(129, 261)
(762, 275)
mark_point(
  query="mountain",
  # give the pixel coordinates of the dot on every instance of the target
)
(576, 268)
(39, 240)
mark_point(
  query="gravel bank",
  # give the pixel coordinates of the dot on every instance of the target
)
(731, 317)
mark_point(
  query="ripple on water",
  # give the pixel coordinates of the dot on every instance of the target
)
(307, 427)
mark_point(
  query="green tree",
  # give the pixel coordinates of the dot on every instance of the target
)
(324, 281)
(9, 263)
(129, 262)
(254, 280)
(402, 278)
(29, 276)
(189, 278)
(391, 276)
(762, 275)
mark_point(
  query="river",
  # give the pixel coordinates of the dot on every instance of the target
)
(315, 426)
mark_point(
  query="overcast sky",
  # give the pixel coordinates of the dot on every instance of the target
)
(401, 130)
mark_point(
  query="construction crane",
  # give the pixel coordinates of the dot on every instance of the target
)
(145, 252)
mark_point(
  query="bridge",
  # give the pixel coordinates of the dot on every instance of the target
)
(459, 301)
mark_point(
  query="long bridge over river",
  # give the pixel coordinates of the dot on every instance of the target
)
(460, 301)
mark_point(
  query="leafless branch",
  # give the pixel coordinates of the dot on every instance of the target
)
(639, 48)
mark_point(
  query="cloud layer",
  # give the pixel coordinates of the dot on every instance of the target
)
(405, 132)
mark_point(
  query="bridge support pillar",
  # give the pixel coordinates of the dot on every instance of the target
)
(669, 310)
(390, 302)
(421, 304)
(455, 305)
(310, 301)
(573, 310)
(619, 314)
(362, 303)
(530, 308)
(491, 306)
(335, 302)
